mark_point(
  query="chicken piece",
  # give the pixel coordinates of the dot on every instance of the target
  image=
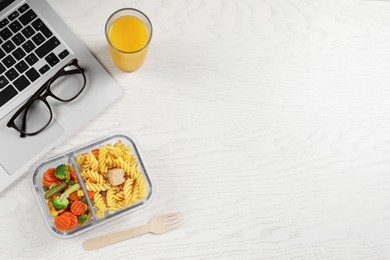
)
(116, 176)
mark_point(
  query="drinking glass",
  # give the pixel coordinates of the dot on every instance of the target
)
(128, 32)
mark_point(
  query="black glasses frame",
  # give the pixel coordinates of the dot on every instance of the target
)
(42, 94)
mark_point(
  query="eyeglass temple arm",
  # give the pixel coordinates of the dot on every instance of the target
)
(71, 72)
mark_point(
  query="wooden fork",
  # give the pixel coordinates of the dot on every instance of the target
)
(157, 225)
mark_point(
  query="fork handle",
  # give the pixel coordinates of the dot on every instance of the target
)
(105, 240)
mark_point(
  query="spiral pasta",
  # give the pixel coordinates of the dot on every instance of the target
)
(80, 159)
(142, 190)
(123, 165)
(110, 197)
(90, 162)
(102, 160)
(96, 187)
(112, 194)
(128, 191)
(99, 202)
(93, 176)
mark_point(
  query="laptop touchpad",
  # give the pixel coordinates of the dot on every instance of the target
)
(15, 151)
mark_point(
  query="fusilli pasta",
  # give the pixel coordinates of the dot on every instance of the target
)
(110, 196)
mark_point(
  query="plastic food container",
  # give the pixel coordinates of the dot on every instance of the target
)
(101, 180)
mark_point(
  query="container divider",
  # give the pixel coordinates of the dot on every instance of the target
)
(75, 166)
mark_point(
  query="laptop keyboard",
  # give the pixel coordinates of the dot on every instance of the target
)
(26, 51)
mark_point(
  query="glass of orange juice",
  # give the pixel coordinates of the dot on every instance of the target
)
(128, 32)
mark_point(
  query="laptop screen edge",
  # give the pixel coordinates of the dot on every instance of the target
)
(5, 3)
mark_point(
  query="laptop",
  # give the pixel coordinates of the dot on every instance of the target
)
(34, 44)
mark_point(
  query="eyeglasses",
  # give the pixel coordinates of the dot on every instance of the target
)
(36, 114)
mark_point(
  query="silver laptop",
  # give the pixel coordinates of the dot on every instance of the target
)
(35, 44)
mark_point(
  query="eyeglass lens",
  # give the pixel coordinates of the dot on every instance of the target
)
(68, 86)
(37, 114)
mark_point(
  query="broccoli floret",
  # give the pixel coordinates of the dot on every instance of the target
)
(62, 201)
(62, 172)
(83, 219)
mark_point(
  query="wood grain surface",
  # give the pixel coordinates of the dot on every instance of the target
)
(266, 122)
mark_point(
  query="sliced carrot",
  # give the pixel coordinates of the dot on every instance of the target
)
(73, 196)
(62, 223)
(74, 220)
(49, 175)
(95, 152)
(49, 183)
(73, 175)
(78, 207)
(91, 194)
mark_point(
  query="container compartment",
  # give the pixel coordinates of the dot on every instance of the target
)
(111, 169)
(48, 187)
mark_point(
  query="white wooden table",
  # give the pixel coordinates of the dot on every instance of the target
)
(266, 122)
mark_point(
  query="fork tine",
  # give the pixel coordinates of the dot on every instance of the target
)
(172, 222)
(170, 215)
(169, 228)
(171, 218)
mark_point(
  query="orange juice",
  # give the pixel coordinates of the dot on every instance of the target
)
(129, 37)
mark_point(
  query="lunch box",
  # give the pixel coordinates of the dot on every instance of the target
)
(105, 201)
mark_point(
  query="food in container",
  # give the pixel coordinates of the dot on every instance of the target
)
(92, 184)
(65, 199)
(112, 174)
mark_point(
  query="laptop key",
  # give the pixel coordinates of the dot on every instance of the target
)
(23, 8)
(44, 69)
(15, 26)
(7, 94)
(21, 66)
(18, 39)
(32, 74)
(5, 34)
(63, 54)
(13, 15)
(8, 46)
(40, 26)
(2, 54)
(28, 31)
(21, 83)
(8, 61)
(38, 39)
(27, 17)
(28, 46)
(31, 59)
(2, 68)
(3, 23)
(47, 47)
(18, 53)
(3, 82)
(12, 74)
(52, 59)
